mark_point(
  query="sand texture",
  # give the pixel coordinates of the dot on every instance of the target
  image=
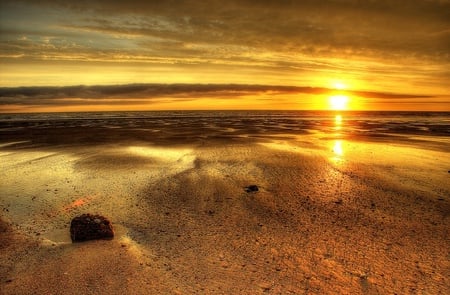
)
(331, 216)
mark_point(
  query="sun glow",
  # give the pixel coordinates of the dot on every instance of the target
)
(338, 102)
(339, 85)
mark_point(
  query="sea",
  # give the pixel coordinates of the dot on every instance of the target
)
(192, 126)
(423, 123)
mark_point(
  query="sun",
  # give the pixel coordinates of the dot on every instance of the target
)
(338, 102)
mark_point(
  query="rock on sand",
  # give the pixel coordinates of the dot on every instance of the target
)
(90, 227)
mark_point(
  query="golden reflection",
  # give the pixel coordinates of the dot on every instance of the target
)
(336, 145)
(337, 148)
(338, 122)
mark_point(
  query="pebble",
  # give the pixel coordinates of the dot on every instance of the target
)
(252, 188)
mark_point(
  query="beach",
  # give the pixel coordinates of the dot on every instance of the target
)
(339, 209)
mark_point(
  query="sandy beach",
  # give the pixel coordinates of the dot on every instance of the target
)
(225, 147)
(333, 215)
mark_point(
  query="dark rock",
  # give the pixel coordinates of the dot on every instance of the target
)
(338, 202)
(90, 227)
(252, 188)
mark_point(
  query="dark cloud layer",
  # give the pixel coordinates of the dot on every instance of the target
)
(133, 93)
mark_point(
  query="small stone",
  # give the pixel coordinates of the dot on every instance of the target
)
(90, 227)
(339, 201)
(252, 188)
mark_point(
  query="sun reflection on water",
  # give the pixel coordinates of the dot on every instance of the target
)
(337, 148)
(338, 122)
(337, 144)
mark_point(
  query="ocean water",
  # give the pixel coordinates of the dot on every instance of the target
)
(258, 122)
(424, 130)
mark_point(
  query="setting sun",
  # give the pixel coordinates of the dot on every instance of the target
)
(338, 102)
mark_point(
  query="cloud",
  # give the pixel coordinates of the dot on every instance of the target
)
(148, 93)
(331, 27)
(267, 41)
(131, 92)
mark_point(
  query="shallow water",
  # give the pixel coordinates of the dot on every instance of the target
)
(190, 127)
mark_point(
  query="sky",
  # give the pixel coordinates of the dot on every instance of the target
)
(268, 54)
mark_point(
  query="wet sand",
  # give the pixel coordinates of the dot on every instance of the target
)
(332, 215)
